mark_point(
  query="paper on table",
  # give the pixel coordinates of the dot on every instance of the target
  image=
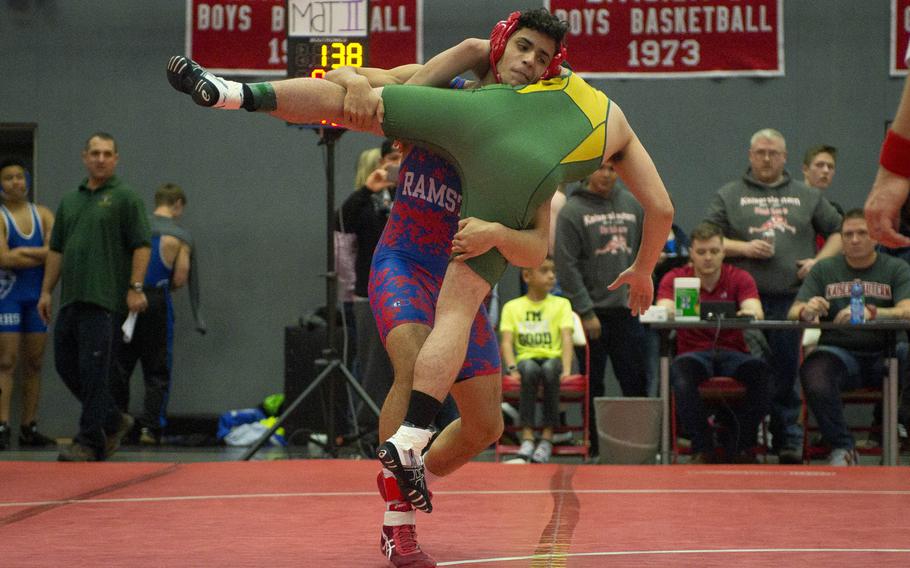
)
(128, 326)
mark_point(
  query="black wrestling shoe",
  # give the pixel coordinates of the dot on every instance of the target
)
(407, 466)
(29, 436)
(207, 90)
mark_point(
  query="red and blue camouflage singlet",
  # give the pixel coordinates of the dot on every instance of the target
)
(411, 258)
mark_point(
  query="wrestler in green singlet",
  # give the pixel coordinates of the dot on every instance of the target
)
(547, 133)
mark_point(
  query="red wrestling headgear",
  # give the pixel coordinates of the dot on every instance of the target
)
(499, 37)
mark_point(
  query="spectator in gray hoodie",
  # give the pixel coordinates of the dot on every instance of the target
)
(598, 233)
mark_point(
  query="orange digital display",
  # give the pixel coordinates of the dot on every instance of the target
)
(314, 58)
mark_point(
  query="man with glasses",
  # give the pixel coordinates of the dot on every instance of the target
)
(770, 222)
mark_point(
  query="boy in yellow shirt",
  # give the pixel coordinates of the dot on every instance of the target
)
(536, 343)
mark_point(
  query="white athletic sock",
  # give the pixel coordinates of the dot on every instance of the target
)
(398, 518)
(411, 438)
(230, 93)
(233, 96)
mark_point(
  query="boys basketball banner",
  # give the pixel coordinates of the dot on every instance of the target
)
(685, 38)
(248, 37)
(900, 36)
(240, 37)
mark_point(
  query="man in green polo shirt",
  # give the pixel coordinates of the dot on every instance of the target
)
(100, 249)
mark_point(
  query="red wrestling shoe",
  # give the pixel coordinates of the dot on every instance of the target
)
(399, 544)
(399, 541)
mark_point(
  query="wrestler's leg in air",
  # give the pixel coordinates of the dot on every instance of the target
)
(300, 100)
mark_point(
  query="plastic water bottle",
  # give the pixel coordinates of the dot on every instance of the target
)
(768, 236)
(857, 302)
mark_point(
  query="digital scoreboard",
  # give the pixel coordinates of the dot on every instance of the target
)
(313, 58)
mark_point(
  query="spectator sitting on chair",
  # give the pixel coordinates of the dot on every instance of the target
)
(702, 354)
(537, 350)
(847, 359)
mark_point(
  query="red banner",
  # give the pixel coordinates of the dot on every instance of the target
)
(242, 37)
(685, 38)
(900, 36)
(396, 32)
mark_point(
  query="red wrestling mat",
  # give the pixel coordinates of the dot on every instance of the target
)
(327, 513)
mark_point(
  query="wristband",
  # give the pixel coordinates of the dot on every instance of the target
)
(511, 369)
(895, 155)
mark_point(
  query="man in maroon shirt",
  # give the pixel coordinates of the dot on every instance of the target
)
(703, 353)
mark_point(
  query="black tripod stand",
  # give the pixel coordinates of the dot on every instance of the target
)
(331, 361)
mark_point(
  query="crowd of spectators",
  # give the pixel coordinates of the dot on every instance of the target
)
(777, 248)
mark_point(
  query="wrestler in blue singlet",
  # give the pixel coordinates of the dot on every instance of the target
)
(158, 275)
(20, 288)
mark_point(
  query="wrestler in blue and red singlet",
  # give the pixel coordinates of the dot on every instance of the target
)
(411, 258)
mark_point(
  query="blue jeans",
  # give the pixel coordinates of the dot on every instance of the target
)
(86, 340)
(784, 359)
(828, 371)
(691, 369)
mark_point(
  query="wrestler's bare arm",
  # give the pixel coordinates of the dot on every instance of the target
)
(890, 191)
(523, 248)
(362, 102)
(636, 169)
(528, 248)
(470, 55)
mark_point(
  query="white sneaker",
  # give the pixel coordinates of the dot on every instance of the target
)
(526, 449)
(516, 461)
(543, 452)
(841, 457)
(206, 89)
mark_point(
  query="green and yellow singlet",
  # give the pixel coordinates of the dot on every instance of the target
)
(512, 145)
